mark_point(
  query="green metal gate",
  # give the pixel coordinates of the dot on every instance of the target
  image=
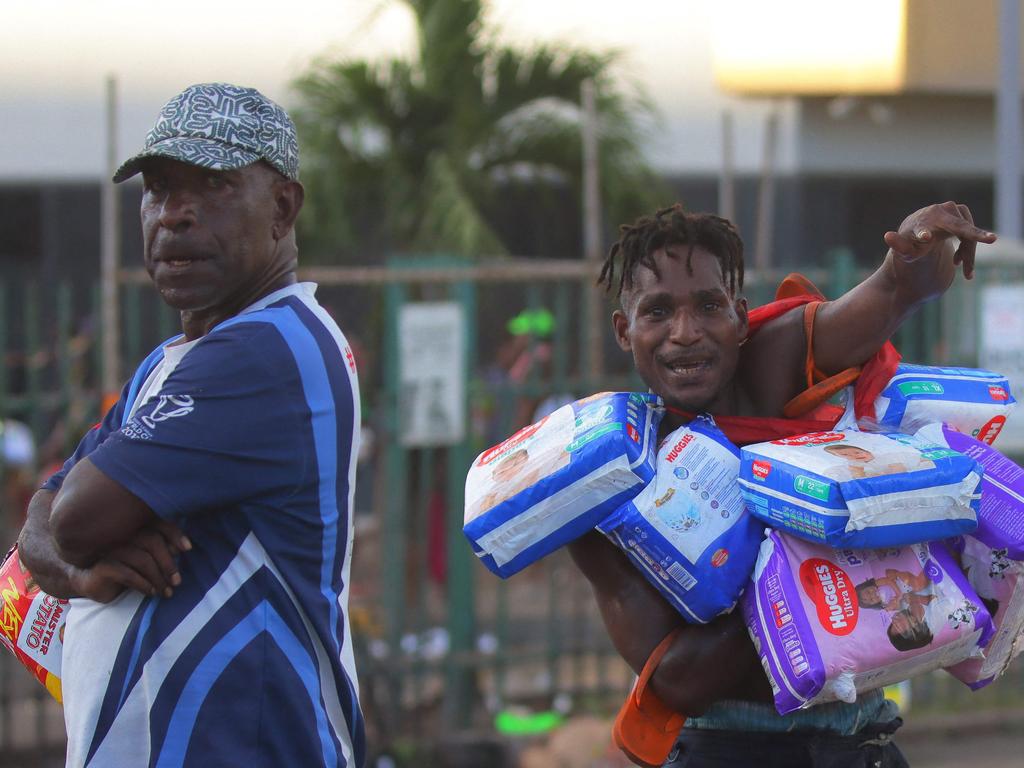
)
(443, 646)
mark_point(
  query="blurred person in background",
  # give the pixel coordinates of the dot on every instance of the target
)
(18, 468)
(203, 530)
(683, 317)
(524, 357)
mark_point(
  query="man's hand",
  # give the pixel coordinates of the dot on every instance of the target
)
(147, 564)
(929, 232)
(920, 265)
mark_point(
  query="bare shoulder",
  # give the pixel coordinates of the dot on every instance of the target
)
(771, 369)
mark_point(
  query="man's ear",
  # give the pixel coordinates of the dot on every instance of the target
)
(740, 305)
(288, 198)
(620, 323)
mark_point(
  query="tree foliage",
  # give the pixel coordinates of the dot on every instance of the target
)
(414, 155)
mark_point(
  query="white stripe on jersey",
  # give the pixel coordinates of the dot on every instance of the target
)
(348, 661)
(129, 733)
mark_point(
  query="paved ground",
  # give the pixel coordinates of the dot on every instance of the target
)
(994, 750)
(979, 740)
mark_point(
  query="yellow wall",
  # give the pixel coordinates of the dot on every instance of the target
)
(827, 47)
(952, 46)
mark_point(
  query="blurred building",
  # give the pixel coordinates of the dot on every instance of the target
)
(890, 103)
(887, 104)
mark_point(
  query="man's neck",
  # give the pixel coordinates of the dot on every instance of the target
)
(731, 402)
(196, 324)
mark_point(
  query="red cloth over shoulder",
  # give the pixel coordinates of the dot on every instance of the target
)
(876, 373)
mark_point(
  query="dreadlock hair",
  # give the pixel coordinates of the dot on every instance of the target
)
(674, 226)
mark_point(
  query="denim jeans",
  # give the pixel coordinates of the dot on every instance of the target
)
(872, 747)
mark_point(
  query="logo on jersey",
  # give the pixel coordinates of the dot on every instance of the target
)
(169, 407)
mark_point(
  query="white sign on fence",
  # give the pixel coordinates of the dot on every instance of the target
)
(1002, 350)
(431, 371)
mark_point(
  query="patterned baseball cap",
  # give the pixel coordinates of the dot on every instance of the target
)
(220, 126)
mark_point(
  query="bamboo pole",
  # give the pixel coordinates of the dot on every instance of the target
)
(591, 228)
(110, 238)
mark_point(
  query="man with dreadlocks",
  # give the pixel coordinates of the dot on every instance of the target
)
(679, 279)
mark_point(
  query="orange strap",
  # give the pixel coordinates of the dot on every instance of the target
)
(645, 728)
(820, 387)
(794, 284)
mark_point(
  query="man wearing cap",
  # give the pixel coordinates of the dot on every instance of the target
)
(203, 530)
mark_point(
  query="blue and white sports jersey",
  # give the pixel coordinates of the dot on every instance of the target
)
(250, 446)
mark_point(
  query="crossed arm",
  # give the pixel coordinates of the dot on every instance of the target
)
(93, 538)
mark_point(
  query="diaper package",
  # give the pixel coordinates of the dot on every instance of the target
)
(999, 582)
(1001, 511)
(553, 481)
(831, 623)
(33, 623)
(972, 401)
(856, 489)
(688, 531)
(992, 556)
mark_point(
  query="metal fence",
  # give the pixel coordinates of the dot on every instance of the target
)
(443, 646)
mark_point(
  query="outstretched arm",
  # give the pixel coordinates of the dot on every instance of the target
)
(921, 264)
(705, 663)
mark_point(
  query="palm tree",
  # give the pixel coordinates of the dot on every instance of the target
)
(415, 155)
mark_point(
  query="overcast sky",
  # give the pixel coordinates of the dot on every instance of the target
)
(55, 55)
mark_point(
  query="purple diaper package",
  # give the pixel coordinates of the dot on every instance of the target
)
(993, 556)
(831, 623)
(1001, 510)
(999, 582)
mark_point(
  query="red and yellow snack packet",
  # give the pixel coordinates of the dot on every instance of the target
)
(31, 623)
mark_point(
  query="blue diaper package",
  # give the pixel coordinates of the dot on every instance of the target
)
(688, 532)
(555, 480)
(848, 488)
(973, 401)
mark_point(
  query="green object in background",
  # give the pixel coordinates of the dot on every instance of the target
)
(528, 724)
(533, 322)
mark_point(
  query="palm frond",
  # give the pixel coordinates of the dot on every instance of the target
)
(415, 154)
(451, 217)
